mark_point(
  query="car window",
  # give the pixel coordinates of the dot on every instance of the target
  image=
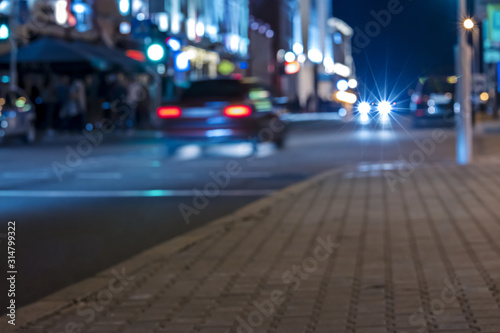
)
(217, 89)
(437, 86)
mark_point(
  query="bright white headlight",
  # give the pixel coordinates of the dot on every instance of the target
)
(384, 107)
(364, 107)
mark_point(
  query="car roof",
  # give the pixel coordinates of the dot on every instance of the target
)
(249, 80)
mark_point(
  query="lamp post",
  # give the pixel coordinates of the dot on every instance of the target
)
(14, 16)
(463, 69)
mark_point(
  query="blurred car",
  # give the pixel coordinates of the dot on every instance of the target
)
(432, 102)
(17, 115)
(222, 110)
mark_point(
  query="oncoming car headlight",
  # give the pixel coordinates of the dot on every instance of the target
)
(364, 107)
(384, 107)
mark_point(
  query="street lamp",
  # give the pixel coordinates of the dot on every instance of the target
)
(469, 24)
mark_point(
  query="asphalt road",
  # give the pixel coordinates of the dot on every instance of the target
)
(125, 195)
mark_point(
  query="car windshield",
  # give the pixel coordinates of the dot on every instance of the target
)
(219, 89)
(437, 86)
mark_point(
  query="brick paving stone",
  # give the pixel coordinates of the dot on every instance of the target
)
(423, 257)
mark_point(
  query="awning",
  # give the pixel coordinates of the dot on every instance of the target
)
(56, 51)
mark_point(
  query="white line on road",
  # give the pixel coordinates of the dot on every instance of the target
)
(298, 117)
(26, 175)
(173, 175)
(100, 176)
(124, 194)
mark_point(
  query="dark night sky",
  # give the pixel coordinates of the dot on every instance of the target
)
(418, 41)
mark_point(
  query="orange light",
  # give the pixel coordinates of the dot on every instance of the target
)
(468, 24)
(237, 111)
(292, 67)
(166, 112)
(346, 97)
(136, 55)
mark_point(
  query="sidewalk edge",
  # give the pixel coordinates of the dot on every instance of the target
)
(80, 291)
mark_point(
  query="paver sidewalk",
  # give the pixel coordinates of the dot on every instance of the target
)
(344, 252)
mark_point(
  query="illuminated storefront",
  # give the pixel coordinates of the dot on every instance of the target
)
(224, 22)
(208, 30)
(217, 29)
(321, 46)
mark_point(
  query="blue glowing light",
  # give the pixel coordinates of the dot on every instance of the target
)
(182, 62)
(174, 44)
(337, 38)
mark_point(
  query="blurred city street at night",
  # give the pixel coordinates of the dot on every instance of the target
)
(249, 166)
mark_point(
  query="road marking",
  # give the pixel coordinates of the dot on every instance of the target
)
(125, 194)
(99, 176)
(26, 175)
(299, 117)
(173, 175)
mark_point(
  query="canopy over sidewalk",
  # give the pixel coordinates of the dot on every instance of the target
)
(50, 51)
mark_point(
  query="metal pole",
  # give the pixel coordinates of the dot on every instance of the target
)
(476, 71)
(463, 69)
(14, 15)
(477, 49)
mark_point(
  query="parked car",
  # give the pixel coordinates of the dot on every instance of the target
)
(222, 110)
(17, 115)
(432, 102)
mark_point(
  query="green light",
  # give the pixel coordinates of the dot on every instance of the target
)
(20, 103)
(4, 32)
(226, 67)
(156, 52)
(258, 94)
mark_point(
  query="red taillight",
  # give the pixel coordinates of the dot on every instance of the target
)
(419, 113)
(169, 112)
(237, 111)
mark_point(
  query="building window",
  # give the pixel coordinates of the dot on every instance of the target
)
(140, 8)
(83, 15)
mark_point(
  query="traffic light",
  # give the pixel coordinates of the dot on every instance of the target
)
(155, 52)
(4, 28)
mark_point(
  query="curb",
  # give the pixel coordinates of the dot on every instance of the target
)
(88, 288)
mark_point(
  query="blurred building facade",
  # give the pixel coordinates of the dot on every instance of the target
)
(311, 50)
(294, 46)
(210, 30)
(486, 52)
